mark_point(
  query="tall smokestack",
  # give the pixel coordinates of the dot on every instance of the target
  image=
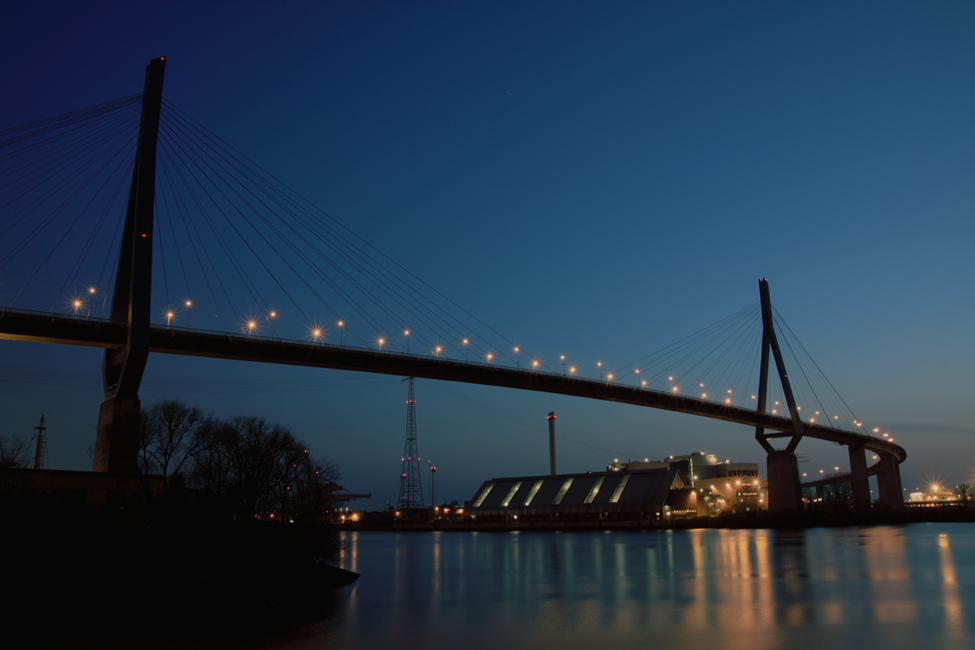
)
(551, 440)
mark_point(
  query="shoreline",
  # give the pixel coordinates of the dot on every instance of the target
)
(821, 518)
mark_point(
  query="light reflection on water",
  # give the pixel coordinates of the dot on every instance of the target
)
(884, 587)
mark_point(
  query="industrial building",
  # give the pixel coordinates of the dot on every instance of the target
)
(570, 498)
(696, 485)
(724, 485)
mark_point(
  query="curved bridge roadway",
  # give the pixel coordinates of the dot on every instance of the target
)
(54, 328)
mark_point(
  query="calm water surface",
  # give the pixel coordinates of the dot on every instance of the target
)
(887, 587)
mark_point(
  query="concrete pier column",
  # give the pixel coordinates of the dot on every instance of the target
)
(889, 481)
(784, 493)
(859, 484)
(117, 441)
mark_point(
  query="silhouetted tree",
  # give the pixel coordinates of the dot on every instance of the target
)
(262, 455)
(838, 495)
(14, 452)
(213, 469)
(310, 488)
(171, 435)
(254, 466)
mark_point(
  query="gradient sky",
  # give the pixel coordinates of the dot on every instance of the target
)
(598, 179)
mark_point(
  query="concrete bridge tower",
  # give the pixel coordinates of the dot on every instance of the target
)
(784, 493)
(117, 441)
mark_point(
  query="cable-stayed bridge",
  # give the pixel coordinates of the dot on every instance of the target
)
(206, 253)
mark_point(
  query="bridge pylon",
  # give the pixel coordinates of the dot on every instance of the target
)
(784, 492)
(117, 441)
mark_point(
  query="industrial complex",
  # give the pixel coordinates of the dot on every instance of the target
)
(695, 485)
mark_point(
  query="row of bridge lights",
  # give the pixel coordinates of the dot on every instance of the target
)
(571, 370)
(318, 334)
(836, 468)
(78, 304)
(170, 314)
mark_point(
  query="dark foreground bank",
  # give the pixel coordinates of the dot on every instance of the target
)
(163, 584)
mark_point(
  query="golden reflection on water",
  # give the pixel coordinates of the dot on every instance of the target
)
(850, 589)
(435, 592)
(889, 575)
(954, 619)
(349, 560)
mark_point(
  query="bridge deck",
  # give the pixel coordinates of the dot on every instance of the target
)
(54, 328)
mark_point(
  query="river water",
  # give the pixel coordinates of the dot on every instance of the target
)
(842, 588)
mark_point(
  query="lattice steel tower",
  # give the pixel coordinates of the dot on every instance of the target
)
(410, 492)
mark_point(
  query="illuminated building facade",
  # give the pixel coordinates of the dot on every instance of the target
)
(593, 497)
(695, 485)
(722, 485)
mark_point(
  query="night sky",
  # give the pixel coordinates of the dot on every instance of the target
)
(591, 179)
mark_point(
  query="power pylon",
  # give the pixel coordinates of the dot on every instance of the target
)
(41, 445)
(410, 492)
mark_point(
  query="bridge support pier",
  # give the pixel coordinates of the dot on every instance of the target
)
(889, 481)
(784, 493)
(117, 441)
(859, 485)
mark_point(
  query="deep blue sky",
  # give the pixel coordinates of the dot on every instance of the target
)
(598, 179)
